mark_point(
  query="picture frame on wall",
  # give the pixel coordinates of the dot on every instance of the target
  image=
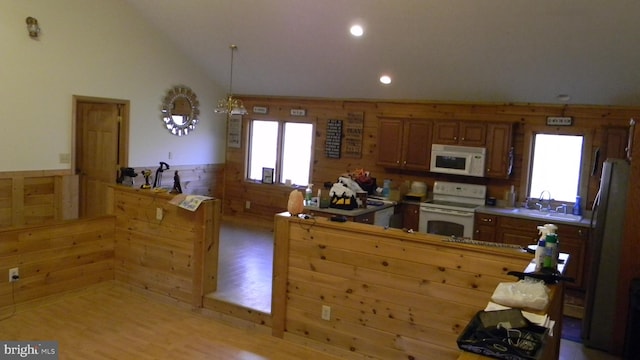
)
(267, 175)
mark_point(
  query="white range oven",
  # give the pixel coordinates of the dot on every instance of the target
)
(451, 211)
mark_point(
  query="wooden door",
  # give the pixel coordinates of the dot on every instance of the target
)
(97, 154)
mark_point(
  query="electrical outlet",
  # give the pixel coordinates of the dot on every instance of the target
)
(247, 204)
(326, 312)
(159, 214)
(14, 275)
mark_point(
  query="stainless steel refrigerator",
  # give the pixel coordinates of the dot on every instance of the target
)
(608, 226)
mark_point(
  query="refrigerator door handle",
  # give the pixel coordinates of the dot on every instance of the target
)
(596, 162)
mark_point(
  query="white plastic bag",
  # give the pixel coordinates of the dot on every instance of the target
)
(529, 293)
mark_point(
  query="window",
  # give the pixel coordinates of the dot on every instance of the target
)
(284, 146)
(556, 166)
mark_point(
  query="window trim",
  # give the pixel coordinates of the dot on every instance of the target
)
(278, 180)
(527, 161)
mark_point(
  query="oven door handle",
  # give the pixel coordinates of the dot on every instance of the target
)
(447, 211)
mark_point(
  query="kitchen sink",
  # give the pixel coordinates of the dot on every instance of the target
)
(552, 215)
(563, 216)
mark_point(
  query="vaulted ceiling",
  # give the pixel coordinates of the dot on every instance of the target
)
(435, 50)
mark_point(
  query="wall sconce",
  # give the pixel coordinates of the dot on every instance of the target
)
(32, 27)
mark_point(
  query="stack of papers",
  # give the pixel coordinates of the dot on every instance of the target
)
(541, 320)
(189, 202)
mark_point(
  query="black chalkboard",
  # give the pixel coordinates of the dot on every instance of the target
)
(334, 139)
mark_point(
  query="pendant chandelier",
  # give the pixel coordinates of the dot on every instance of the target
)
(231, 105)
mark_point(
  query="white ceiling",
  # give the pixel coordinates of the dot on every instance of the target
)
(436, 50)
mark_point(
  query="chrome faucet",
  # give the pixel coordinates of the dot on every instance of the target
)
(540, 204)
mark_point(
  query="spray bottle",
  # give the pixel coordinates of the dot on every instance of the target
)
(551, 248)
(308, 195)
(539, 256)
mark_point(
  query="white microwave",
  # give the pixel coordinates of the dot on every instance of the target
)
(458, 160)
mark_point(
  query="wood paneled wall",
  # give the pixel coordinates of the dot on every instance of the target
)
(56, 258)
(175, 256)
(266, 200)
(393, 295)
(43, 197)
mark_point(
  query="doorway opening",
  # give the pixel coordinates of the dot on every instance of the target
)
(245, 266)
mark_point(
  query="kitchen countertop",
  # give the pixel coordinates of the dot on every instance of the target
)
(556, 218)
(354, 212)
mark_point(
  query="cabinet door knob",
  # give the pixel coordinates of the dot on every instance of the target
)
(486, 220)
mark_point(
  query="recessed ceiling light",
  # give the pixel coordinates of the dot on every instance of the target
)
(385, 79)
(564, 97)
(356, 30)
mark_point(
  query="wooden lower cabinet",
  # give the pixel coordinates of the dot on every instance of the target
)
(367, 218)
(573, 239)
(484, 227)
(410, 216)
(518, 231)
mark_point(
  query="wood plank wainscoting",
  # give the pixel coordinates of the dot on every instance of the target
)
(55, 258)
(175, 256)
(391, 294)
(37, 197)
(163, 248)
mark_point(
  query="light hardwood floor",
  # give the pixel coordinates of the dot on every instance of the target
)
(245, 266)
(109, 321)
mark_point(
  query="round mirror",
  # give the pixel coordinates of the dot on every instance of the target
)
(180, 110)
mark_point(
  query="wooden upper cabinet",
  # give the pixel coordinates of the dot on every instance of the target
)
(404, 143)
(499, 158)
(390, 142)
(464, 133)
(417, 145)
